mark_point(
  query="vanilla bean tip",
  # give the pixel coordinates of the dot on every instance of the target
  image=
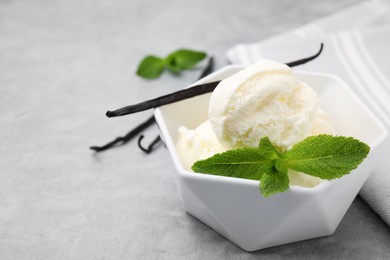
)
(95, 148)
(110, 114)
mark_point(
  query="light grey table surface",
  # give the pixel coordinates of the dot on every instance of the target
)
(62, 65)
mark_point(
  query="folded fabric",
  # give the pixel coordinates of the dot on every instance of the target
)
(356, 49)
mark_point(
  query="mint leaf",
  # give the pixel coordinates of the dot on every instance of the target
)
(326, 156)
(274, 181)
(184, 59)
(247, 163)
(171, 65)
(151, 67)
(268, 150)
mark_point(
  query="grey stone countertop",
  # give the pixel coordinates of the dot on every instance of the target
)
(62, 65)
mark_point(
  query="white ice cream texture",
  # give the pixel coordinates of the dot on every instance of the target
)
(265, 99)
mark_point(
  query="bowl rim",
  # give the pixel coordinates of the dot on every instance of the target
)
(325, 184)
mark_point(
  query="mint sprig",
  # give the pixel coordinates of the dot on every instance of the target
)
(151, 66)
(324, 156)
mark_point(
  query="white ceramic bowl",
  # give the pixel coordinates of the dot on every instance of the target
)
(234, 207)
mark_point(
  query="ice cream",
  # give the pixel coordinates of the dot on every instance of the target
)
(197, 144)
(265, 99)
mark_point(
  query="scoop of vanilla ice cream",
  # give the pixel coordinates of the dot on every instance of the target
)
(322, 124)
(198, 144)
(202, 143)
(265, 99)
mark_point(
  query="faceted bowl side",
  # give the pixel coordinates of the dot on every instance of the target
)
(235, 208)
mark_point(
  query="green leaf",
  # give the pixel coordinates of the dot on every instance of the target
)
(326, 156)
(274, 181)
(323, 156)
(184, 59)
(247, 163)
(172, 66)
(268, 150)
(150, 67)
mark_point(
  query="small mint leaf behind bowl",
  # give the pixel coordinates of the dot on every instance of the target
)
(185, 59)
(171, 64)
(327, 157)
(150, 67)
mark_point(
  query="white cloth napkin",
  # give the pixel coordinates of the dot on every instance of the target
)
(357, 49)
